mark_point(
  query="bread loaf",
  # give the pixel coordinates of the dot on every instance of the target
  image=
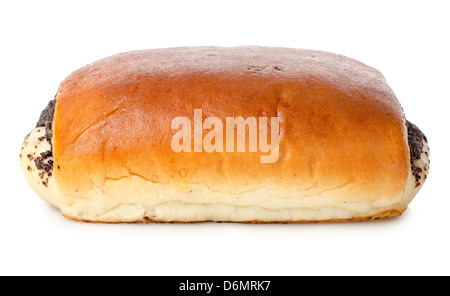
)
(243, 134)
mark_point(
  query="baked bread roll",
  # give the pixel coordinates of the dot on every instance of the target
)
(144, 136)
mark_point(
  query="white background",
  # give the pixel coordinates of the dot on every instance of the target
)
(44, 41)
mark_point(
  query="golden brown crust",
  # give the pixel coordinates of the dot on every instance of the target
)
(341, 125)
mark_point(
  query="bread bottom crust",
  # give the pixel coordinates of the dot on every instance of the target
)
(381, 215)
